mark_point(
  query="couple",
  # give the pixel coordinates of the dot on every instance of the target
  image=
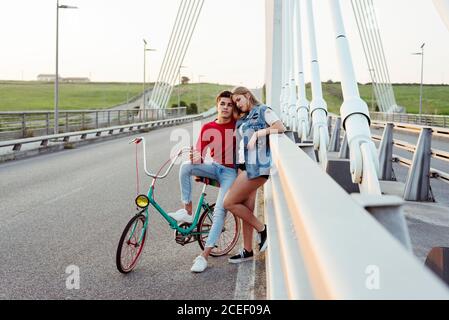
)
(245, 123)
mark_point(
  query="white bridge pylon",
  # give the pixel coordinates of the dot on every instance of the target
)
(298, 113)
(295, 110)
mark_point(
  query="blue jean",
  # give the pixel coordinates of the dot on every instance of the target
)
(224, 175)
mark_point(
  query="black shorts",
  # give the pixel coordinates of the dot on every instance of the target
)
(242, 166)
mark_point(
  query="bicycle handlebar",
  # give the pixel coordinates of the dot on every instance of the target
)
(152, 175)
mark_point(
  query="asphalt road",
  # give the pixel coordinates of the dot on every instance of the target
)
(69, 208)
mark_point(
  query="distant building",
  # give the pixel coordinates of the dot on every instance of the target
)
(47, 77)
(51, 78)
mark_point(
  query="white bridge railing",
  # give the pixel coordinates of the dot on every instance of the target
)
(323, 242)
(331, 248)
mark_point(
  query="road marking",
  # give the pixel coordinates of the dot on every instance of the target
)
(244, 287)
(63, 196)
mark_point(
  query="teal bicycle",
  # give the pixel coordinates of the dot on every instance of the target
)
(133, 237)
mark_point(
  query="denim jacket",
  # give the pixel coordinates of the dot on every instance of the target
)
(257, 160)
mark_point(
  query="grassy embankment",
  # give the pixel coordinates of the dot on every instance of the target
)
(32, 95)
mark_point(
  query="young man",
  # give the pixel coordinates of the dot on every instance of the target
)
(218, 137)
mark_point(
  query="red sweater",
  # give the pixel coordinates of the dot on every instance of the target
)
(220, 139)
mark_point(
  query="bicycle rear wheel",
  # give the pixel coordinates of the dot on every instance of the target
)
(229, 234)
(129, 249)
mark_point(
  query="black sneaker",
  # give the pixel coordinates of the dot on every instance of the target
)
(242, 256)
(262, 237)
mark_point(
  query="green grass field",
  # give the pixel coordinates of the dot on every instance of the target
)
(33, 95)
(29, 96)
(435, 98)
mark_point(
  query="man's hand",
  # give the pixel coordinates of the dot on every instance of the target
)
(195, 157)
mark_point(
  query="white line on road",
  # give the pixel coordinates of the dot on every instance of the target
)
(63, 196)
(244, 288)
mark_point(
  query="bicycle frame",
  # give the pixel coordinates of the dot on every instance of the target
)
(172, 222)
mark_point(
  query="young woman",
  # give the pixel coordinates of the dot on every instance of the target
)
(253, 160)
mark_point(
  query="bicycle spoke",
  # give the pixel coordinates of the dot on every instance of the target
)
(131, 245)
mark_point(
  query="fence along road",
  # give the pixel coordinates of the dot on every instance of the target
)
(70, 208)
(428, 223)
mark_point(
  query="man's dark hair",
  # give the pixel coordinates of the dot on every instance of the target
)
(224, 94)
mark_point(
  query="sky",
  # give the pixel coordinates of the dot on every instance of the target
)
(103, 40)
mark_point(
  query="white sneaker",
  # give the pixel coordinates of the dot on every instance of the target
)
(199, 265)
(181, 216)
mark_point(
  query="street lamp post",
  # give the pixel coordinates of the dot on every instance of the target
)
(179, 88)
(145, 50)
(58, 6)
(422, 80)
(199, 85)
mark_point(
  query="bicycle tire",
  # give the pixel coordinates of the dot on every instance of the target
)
(121, 253)
(227, 240)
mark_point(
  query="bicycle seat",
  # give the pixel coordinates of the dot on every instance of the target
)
(208, 181)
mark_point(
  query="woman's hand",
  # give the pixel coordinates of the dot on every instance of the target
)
(252, 142)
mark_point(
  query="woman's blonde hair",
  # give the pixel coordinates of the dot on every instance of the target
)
(243, 91)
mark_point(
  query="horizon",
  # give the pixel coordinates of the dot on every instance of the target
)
(217, 83)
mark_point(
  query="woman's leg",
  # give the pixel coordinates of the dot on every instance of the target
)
(239, 194)
(226, 177)
(247, 229)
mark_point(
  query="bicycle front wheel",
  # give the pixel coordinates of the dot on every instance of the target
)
(229, 234)
(131, 244)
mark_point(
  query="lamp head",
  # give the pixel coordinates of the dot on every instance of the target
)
(62, 6)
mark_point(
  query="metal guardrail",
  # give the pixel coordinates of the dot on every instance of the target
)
(331, 249)
(434, 173)
(416, 129)
(413, 128)
(14, 125)
(425, 120)
(44, 140)
(436, 154)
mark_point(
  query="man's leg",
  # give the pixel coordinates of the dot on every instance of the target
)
(226, 177)
(185, 180)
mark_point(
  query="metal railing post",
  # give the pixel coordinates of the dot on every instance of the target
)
(334, 145)
(23, 125)
(386, 154)
(47, 123)
(344, 150)
(417, 187)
